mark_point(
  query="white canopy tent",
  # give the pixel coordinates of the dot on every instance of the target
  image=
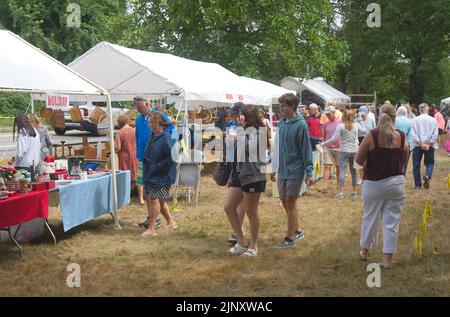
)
(445, 101)
(27, 69)
(126, 72)
(270, 91)
(316, 86)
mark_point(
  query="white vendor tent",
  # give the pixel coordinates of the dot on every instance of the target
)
(27, 69)
(445, 101)
(317, 87)
(126, 72)
(270, 91)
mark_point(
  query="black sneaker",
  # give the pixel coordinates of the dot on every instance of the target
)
(232, 239)
(286, 243)
(146, 223)
(426, 182)
(299, 235)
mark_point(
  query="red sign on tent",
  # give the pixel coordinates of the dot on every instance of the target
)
(229, 96)
(240, 97)
(57, 101)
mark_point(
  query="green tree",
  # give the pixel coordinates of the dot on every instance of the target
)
(43, 23)
(401, 58)
(265, 39)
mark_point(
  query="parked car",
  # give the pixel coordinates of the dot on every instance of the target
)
(86, 110)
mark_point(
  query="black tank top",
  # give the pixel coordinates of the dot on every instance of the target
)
(383, 162)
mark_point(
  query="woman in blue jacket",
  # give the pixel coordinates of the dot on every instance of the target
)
(159, 173)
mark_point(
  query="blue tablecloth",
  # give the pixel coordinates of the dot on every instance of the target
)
(84, 200)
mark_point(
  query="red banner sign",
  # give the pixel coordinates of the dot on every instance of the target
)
(57, 101)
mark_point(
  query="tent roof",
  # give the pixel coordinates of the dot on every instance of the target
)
(317, 87)
(445, 101)
(126, 72)
(25, 68)
(273, 92)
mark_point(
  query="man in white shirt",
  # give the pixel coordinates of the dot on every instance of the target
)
(424, 135)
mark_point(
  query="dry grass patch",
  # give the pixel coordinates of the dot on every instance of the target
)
(193, 261)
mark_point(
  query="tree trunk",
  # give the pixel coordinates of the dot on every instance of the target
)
(416, 87)
(342, 73)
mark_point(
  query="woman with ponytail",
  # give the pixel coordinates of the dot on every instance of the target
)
(347, 132)
(382, 153)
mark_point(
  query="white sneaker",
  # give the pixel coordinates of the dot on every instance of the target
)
(353, 195)
(339, 196)
(237, 249)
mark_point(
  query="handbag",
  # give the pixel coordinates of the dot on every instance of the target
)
(222, 173)
(447, 146)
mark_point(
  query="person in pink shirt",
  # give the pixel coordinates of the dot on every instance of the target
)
(437, 115)
(330, 151)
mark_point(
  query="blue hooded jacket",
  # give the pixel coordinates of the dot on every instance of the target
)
(159, 168)
(144, 133)
(293, 154)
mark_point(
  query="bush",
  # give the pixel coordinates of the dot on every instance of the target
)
(12, 104)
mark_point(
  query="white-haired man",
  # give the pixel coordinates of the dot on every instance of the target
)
(314, 128)
(424, 136)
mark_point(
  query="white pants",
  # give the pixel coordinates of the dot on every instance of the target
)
(383, 197)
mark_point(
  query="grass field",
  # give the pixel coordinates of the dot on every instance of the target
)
(193, 261)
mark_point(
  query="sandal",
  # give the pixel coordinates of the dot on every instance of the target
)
(172, 226)
(384, 267)
(362, 257)
(149, 234)
(249, 252)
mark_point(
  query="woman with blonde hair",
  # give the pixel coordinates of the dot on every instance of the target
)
(383, 153)
(347, 132)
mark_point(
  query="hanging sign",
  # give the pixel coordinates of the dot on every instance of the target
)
(57, 102)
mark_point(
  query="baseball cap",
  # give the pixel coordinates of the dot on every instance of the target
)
(330, 109)
(363, 110)
(138, 98)
(236, 108)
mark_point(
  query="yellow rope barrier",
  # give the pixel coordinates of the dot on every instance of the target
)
(423, 231)
(174, 207)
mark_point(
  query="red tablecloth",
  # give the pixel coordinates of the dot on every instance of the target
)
(22, 208)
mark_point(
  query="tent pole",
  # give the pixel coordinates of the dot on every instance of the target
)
(271, 114)
(113, 162)
(32, 104)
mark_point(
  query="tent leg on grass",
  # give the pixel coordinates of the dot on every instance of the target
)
(117, 225)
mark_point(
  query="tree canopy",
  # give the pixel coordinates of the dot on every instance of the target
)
(407, 58)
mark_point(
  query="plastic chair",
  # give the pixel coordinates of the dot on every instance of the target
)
(189, 175)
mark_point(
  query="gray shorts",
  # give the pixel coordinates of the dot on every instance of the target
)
(289, 188)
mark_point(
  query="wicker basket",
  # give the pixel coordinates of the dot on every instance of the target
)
(46, 113)
(205, 115)
(57, 119)
(96, 115)
(75, 113)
